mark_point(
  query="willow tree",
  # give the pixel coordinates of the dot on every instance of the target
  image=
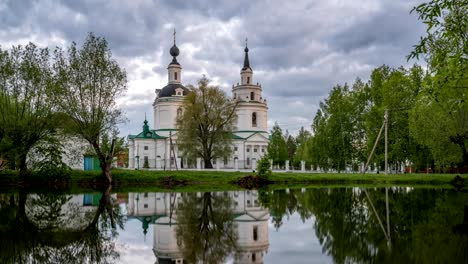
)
(89, 83)
(26, 112)
(206, 124)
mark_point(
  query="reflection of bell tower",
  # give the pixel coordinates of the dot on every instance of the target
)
(252, 228)
(166, 249)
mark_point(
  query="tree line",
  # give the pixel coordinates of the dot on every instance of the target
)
(46, 97)
(428, 112)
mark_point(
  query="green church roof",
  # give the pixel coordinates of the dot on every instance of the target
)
(149, 134)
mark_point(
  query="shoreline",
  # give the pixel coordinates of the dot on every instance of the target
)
(185, 180)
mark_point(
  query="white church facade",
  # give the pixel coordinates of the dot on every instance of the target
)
(157, 148)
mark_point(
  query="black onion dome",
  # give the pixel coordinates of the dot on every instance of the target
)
(174, 51)
(170, 90)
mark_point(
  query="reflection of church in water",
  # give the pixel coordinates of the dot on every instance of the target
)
(159, 210)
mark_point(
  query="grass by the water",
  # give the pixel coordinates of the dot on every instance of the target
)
(141, 180)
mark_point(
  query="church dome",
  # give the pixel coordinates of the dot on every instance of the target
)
(174, 51)
(170, 90)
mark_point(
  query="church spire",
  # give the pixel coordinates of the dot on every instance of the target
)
(174, 68)
(145, 126)
(174, 51)
(246, 58)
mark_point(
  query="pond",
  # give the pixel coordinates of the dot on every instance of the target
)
(319, 225)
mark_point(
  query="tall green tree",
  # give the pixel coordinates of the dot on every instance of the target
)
(301, 142)
(291, 145)
(89, 81)
(332, 143)
(206, 124)
(439, 120)
(277, 148)
(394, 90)
(26, 110)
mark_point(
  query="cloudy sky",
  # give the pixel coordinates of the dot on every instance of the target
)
(298, 49)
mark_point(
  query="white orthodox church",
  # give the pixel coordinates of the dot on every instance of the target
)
(157, 148)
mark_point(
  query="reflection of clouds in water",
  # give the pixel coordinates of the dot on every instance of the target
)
(307, 248)
(135, 247)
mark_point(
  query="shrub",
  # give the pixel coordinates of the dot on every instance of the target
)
(263, 168)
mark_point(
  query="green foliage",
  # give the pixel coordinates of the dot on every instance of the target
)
(348, 121)
(334, 126)
(26, 110)
(301, 153)
(428, 121)
(439, 119)
(277, 148)
(263, 168)
(89, 81)
(206, 124)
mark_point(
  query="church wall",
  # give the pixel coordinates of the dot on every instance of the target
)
(156, 151)
(165, 113)
(244, 121)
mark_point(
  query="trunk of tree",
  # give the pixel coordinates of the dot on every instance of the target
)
(23, 170)
(208, 164)
(22, 164)
(106, 170)
(105, 160)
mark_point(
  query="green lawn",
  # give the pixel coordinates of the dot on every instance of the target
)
(200, 177)
(134, 180)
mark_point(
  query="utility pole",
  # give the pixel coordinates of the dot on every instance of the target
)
(386, 140)
(172, 152)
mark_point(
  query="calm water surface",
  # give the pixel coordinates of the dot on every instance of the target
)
(338, 225)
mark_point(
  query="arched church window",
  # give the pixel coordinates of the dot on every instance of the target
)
(252, 96)
(175, 76)
(248, 80)
(179, 112)
(254, 119)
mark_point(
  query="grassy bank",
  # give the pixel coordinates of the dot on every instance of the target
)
(141, 180)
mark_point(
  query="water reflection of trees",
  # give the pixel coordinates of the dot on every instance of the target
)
(36, 229)
(206, 230)
(425, 225)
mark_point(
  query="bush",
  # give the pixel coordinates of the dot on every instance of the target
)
(263, 168)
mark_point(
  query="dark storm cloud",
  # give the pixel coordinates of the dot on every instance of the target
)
(298, 49)
(378, 29)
